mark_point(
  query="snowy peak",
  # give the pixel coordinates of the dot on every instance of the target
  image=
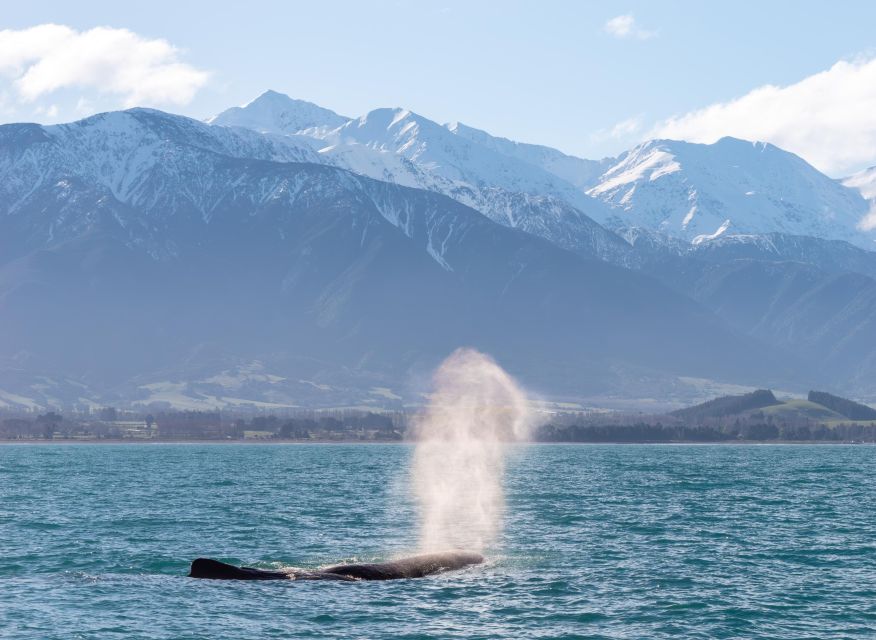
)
(521, 186)
(387, 129)
(274, 112)
(701, 191)
(646, 162)
(448, 156)
(136, 158)
(136, 130)
(577, 171)
(653, 159)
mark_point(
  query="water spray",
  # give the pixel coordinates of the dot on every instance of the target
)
(476, 410)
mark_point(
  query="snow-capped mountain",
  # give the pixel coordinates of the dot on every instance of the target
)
(692, 192)
(514, 193)
(135, 158)
(578, 172)
(145, 255)
(274, 112)
(520, 186)
(342, 254)
(699, 192)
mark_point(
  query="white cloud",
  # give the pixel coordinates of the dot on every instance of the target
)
(625, 26)
(865, 182)
(869, 221)
(83, 106)
(626, 127)
(49, 57)
(623, 130)
(828, 118)
(50, 112)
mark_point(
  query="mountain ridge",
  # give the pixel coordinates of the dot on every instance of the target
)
(693, 192)
(397, 145)
(277, 113)
(168, 249)
(699, 192)
(383, 242)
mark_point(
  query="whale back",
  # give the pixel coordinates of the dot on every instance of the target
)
(210, 569)
(412, 567)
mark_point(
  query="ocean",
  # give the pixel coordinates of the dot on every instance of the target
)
(599, 541)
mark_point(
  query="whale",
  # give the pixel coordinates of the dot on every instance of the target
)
(417, 566)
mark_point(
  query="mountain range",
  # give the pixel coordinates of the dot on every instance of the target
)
(280, 254)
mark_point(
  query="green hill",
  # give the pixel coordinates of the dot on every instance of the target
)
(843, 406)
(728, 405)
(822, 408)
(793, 410)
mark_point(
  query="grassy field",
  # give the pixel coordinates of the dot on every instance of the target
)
(795, 409)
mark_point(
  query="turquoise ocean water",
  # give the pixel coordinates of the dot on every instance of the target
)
(599, 542)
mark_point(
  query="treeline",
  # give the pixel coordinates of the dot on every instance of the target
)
(44, 426)
(207, 425)
(728, 405)
(756, 427)
(352, 425)
(843, 406)
(326, 426)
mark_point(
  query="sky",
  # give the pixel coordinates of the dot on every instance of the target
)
(589, 78)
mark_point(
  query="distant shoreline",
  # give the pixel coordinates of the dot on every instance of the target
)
(131, 441)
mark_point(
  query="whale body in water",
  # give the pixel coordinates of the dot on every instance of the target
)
(413, 567)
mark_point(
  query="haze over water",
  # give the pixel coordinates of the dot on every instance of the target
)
(599, 541)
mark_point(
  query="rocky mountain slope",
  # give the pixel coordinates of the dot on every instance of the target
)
(150, 258)
(527, 187)
(699, 192)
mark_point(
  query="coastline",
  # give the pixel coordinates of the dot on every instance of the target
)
(286, 442)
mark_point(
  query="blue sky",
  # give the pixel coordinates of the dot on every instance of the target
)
(556, 73)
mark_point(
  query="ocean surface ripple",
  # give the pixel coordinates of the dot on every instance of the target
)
(600, 541)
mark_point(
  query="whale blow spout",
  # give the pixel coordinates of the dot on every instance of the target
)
(413, 567)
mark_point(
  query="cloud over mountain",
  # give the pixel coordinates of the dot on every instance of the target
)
(829, 118)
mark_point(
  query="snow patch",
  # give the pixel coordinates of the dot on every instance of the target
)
(13, 400)
(656, 184)
(384, 392)
(183, 395)
(705, 238)
(690, 216)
